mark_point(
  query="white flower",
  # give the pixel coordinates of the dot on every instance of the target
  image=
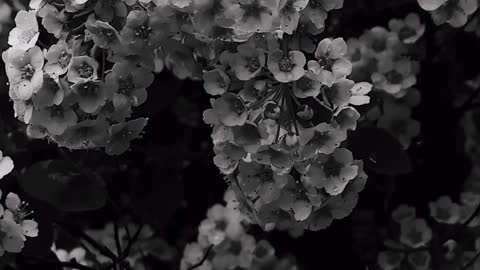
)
(25, 35)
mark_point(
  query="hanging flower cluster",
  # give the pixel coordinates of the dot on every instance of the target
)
(380, 56)
(278, 123)
(223, 234)
(454, 12)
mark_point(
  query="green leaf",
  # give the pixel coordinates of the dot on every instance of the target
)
(381, 152)
(64, 186)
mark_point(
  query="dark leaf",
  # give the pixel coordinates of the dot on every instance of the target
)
(64, 186)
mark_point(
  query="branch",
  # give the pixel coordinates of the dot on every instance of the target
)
(471, 262)
(205, 257)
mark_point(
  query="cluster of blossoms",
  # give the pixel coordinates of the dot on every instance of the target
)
(278, 129)
(145, 244)
(380, 56)
(454, 12)
(415, 248)
(224, 241)
(15, 226)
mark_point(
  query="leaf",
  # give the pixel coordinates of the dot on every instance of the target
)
(64, 186)
(381, 152)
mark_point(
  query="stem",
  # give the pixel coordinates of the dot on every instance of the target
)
(85, 12)
(205, 257)
(80, 234)
(471, 262)
(134, 239)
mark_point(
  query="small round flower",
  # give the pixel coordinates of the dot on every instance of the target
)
(247, 62)
(140, 33)
(91, 95)
(230, 110)
(307, 86)
(286, 68)
(56, 118)
(25, 35)
(301, 209)
(127, 84)
(24, 71)
(444, 210)
(332, 64)
(408, 30)
(322, 138)
(82, 68)
(104, 35)
(420, 260)
(332, 172)
(6, 166)
(390, 260)
(415, 233)
(394, 76)
(216, 82)
(11, 237)
(289, 12)
(254, 15)
(58, 59)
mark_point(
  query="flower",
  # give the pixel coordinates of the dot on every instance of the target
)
(229, 110)
(25, 35)
(247, 62)
(121, 134)
(82, 68)
(403, 213)
(332, 64)
(332, 172)
(323, 138)
(104, 35)
(216, 82)
(307, 86)
(289, 11)
(394, 77)
(415, 233)
(409, 30)
(431, 5)
(140, 33)
(359, 93)
(444, 210)
(55, 119)
(127, 84)
(24, 71)
(58, 59)
(91, 95)
(286, 67)
(396, 120)
(390, 260)
(6, 165)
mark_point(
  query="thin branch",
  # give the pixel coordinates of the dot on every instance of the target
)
(205, 257)
(134, 239)
(471, 262)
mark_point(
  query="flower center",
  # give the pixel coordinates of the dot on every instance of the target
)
(143, 31)
(326, 63)
(253, 10)
(64, 60)
(253, 64)
(394, 77)
(85, 70)
(57, 111)
(285, 64)
(126, 85)
(28, 72)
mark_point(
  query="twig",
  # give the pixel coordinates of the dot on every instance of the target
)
(126, 252)
(205, 257)
(471, 262)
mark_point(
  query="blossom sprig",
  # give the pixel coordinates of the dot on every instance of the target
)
(15, 225)
(224, 243)
(381, 56)
(278, 123)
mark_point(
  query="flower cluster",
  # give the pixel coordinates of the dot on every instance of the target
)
(453, 12)
(415, 249)
(278, 124)
(380, 55)
(225, 243)
(15, 226)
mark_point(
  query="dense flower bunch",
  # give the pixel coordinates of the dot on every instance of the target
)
(380, 56)
(224, 232)
(278, 127)
(415, 248)
(454, 12)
